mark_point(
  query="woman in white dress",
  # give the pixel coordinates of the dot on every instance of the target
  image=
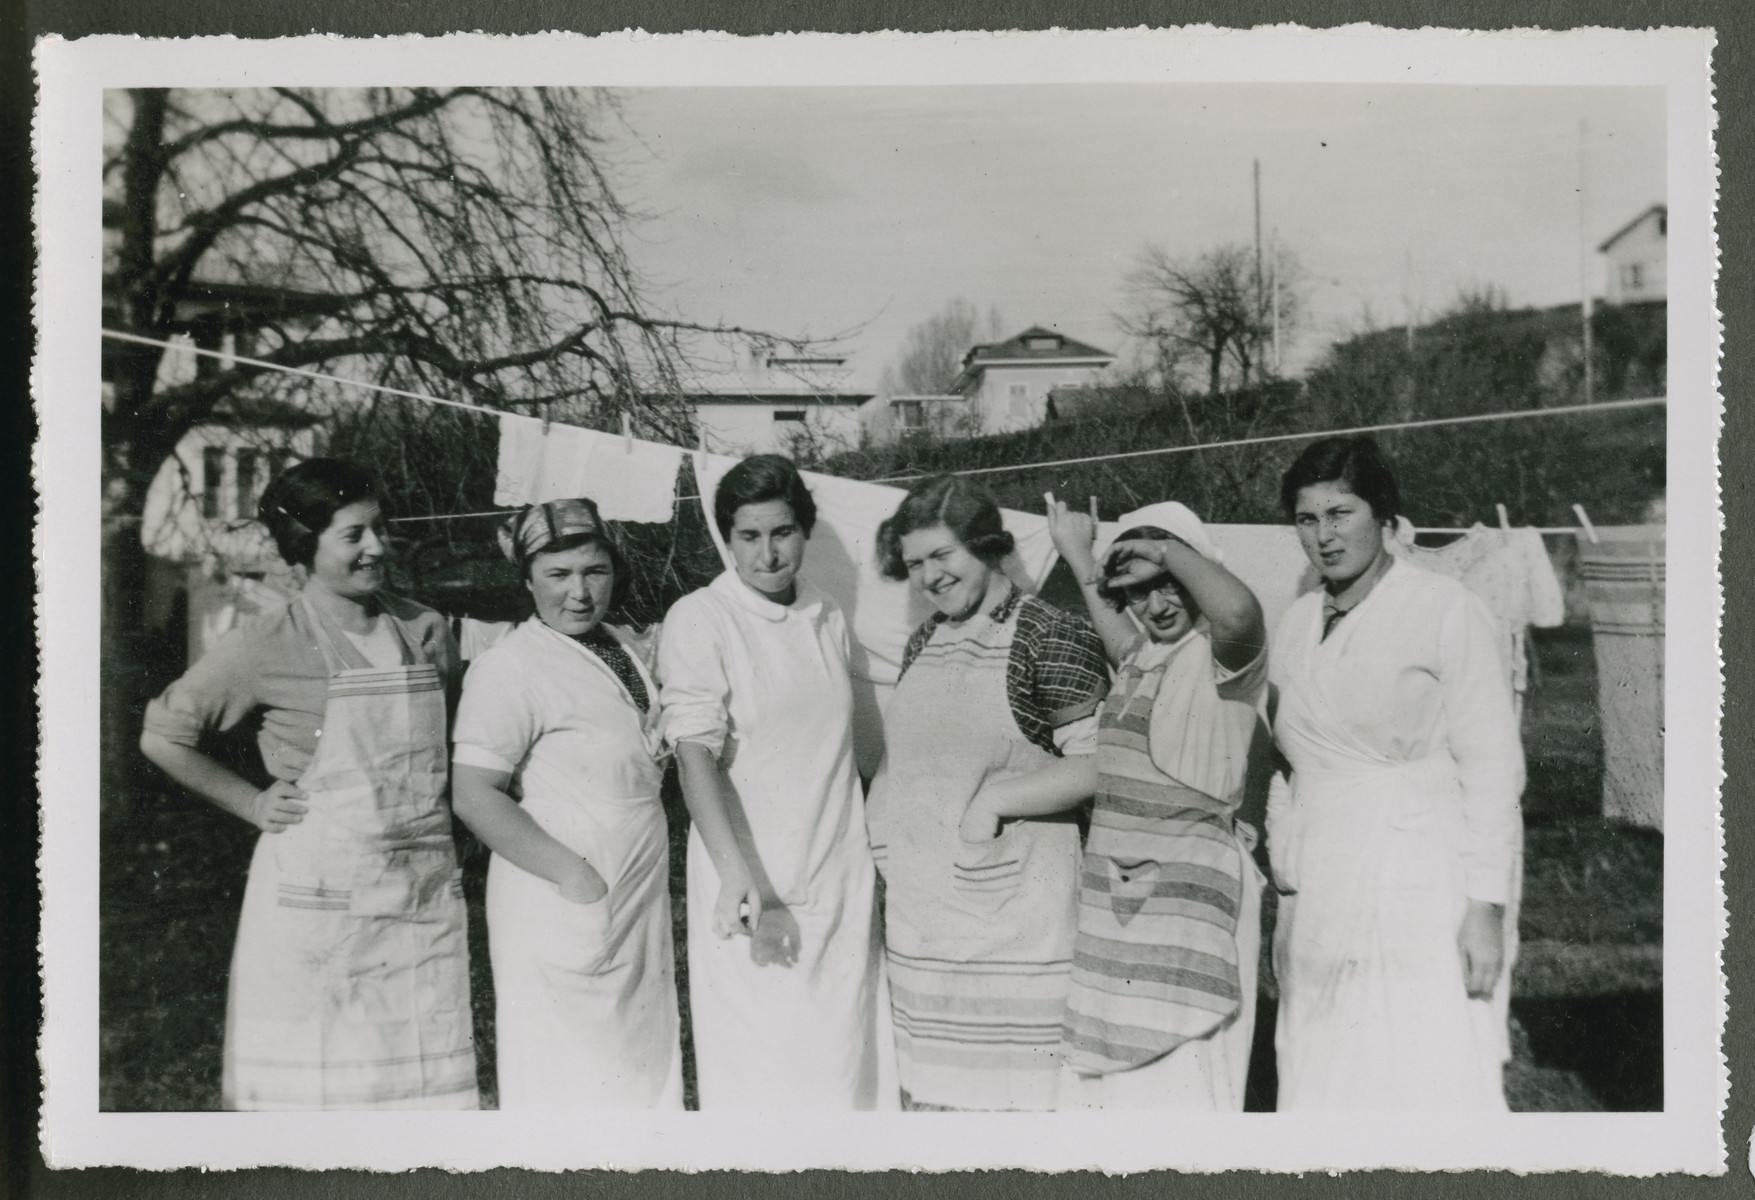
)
(557, 771)
(1397, 845)
(758, 706)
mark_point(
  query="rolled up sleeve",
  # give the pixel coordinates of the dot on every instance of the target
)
(213, 696)
(496, 717)
(694, 693)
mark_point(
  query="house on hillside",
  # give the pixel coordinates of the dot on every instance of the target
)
(1002, 387)
(1637, 255)
(776, 404)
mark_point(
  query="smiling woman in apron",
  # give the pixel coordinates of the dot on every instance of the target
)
(784, 956)
(1397, 846)
(560, 714)
(1162, 1009)
(988, 742)
(350, 979)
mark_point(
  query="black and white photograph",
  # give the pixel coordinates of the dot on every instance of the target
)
(730, 598)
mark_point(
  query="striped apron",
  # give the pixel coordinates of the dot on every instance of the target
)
(1155, 963)
(350, 979)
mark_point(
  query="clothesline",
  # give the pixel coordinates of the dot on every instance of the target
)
(1385, 427)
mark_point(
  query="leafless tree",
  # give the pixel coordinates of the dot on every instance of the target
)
(1213, 311)
(932, 353)
(463, 241)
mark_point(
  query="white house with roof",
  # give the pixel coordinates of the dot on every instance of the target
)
(1637, 256)
(778, 404)
(1002, 387)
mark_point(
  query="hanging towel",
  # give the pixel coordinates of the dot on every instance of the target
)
(630, 479)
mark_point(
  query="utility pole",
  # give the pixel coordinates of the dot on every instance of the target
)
(1274, 266)
(1584, 297)
(1258, 235)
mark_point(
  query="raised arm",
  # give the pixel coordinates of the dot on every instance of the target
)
(1074, 534)
(1233, 614)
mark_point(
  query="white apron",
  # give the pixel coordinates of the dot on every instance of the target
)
(771, 1037)
(585, 995)
(1374, 1013)
(350, 978)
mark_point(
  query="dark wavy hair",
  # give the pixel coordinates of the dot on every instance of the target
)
(300, 502)
(961, 505)
(759, 478)
(620, 579)
(1355, 461)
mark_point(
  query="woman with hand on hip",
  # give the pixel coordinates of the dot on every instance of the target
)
(1162, 1008)
(350, 978)
(988, 744)
(758, 706)
(1397, 844)
(557, 771)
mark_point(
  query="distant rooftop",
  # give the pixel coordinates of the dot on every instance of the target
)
(1035, 343)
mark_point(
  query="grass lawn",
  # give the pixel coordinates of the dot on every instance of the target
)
(172, 872)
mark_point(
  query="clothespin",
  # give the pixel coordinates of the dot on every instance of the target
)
(1094, 521)
(627, 435)
(1504, 519)
(545, 418)
(1590, 531)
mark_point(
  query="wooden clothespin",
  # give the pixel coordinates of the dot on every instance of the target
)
(1590, 531)
(1094, 521)
(1504, 519)
(627, 435)
(545, 418)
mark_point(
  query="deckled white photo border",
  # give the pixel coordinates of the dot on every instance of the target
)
(68, 137)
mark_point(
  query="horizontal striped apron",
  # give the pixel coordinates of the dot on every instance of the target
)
(1155, 962)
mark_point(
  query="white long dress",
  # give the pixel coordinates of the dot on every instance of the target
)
(1403, 806)
(765, 687)
(586, 1012)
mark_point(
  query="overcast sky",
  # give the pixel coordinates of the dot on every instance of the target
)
(823, 210)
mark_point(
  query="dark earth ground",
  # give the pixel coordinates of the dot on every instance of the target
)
(1587, 1006)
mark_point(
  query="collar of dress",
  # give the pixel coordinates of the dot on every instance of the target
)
(808, 602)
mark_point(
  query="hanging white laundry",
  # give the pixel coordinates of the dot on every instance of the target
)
(630, 479)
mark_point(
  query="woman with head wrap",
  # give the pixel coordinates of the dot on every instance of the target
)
(1397, 844)
(1162, 1007)
(758, 703)
(557, 771)
(350, 979)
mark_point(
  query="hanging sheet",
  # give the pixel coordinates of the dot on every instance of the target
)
(630, 479)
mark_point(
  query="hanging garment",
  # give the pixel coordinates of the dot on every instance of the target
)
(585, 994)
(765, 688)
(1511, 572)
(979, 936)
(350, 980)
(475, 638)
(1163, 976)
(1402, 807)
(630, 479)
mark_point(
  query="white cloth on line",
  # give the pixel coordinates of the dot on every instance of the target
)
(630, 479)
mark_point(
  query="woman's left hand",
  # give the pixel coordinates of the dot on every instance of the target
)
(1481, 942)
(980, 823)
